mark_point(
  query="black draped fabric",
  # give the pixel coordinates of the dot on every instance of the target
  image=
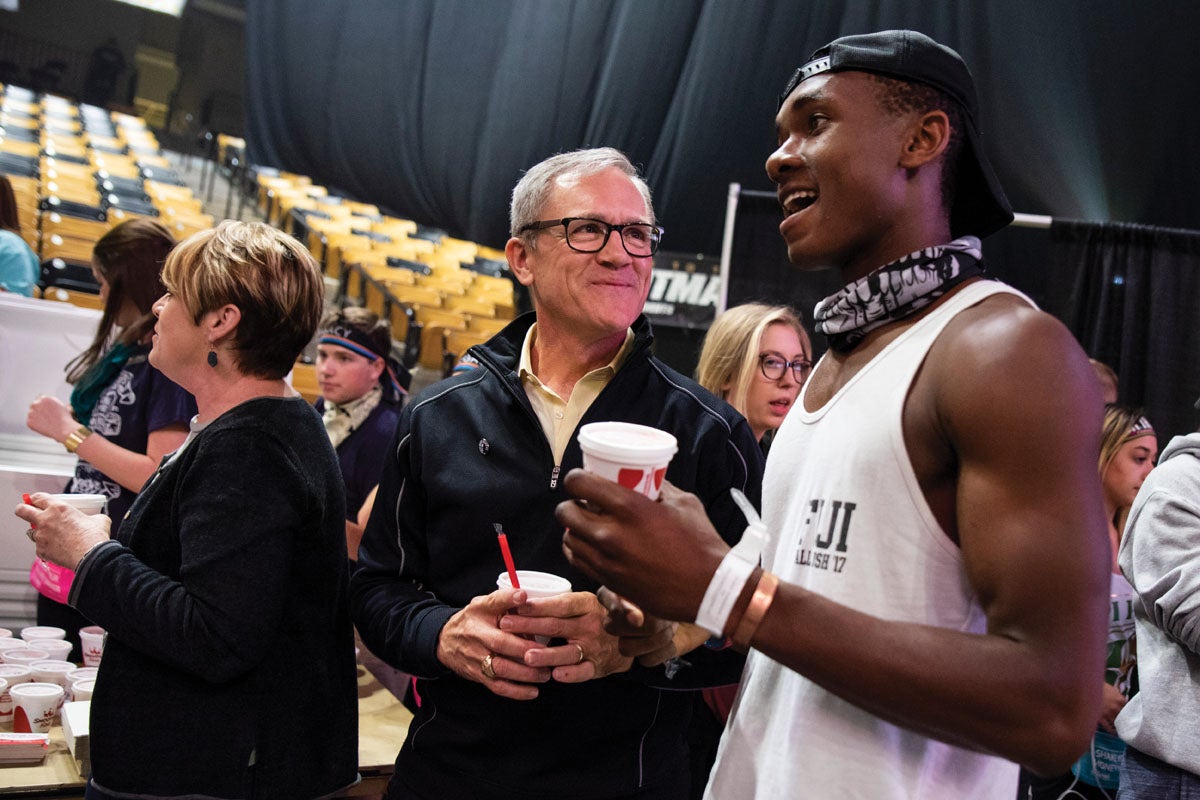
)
(432, 108)
(1130, 294)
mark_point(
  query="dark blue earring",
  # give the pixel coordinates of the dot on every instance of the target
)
(212, 358)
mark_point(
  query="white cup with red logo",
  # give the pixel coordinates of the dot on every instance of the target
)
(635, 456)
(35, 706)
(91, 643)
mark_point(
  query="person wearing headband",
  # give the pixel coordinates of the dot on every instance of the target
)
(362, 390)
(929, 607)
(1128, 448)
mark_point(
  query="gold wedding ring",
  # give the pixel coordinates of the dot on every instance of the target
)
(580, 648)
(485, 666)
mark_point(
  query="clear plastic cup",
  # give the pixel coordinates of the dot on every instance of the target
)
(635, 456)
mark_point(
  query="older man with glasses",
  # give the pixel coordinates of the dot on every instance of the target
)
(501, 715)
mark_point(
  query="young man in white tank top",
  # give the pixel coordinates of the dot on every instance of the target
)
(931, 603)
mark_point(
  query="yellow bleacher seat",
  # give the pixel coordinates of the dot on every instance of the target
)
(457, 342)
(69, 247)
(467, 304)
(433, 345)
(304, 381)
(66, 225)
(488, 326)
(29, 149)
(420, 295)
(81, 299)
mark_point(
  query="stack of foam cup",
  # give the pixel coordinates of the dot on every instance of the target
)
(635, 456)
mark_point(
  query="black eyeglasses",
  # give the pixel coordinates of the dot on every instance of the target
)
(586, 235)
(773, 367)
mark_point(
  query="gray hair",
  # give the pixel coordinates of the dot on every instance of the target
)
(531, 192)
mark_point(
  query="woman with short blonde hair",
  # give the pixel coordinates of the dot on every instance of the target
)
(228, 668)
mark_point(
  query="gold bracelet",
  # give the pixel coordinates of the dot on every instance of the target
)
(764, 594)
(76, 437)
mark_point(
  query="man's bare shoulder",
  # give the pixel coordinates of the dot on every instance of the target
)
(1004, 332)
(1006, 361)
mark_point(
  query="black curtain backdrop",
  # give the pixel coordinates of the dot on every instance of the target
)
(1130, 294)
(432, 108)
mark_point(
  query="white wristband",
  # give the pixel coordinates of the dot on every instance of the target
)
(730, 578)
(723, 591)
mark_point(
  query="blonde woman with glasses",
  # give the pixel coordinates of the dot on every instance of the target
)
(757, 358)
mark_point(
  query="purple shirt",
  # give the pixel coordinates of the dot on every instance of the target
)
(137, 402)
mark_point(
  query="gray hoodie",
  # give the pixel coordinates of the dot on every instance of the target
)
(1160, 555)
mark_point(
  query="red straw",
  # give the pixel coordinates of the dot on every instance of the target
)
(28, 501)
(508, 560)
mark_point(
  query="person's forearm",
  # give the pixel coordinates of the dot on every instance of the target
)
(354, 534)
(126, 467)
(984, 692)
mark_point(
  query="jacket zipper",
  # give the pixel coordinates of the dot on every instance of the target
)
(554, 476)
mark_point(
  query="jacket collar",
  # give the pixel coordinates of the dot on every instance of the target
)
(502, 353)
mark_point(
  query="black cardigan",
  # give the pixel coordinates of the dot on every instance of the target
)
(229, 667)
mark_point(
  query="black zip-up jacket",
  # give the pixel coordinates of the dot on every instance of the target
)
(469, 452)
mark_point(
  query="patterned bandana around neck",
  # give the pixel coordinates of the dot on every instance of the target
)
(343, 420)
(896, 290)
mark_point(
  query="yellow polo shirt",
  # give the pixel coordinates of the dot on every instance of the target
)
(559, 417)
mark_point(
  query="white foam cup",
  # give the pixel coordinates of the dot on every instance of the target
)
(87, 503)
(536, 584)
(91, 642)
(35, 632)
(59, 649)
(5, 633)
(82, 674)
(12, 644)
(34, 706)
(82, 690)
(12, 675)
(635, 456)
(25, 655)
(56, 672)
